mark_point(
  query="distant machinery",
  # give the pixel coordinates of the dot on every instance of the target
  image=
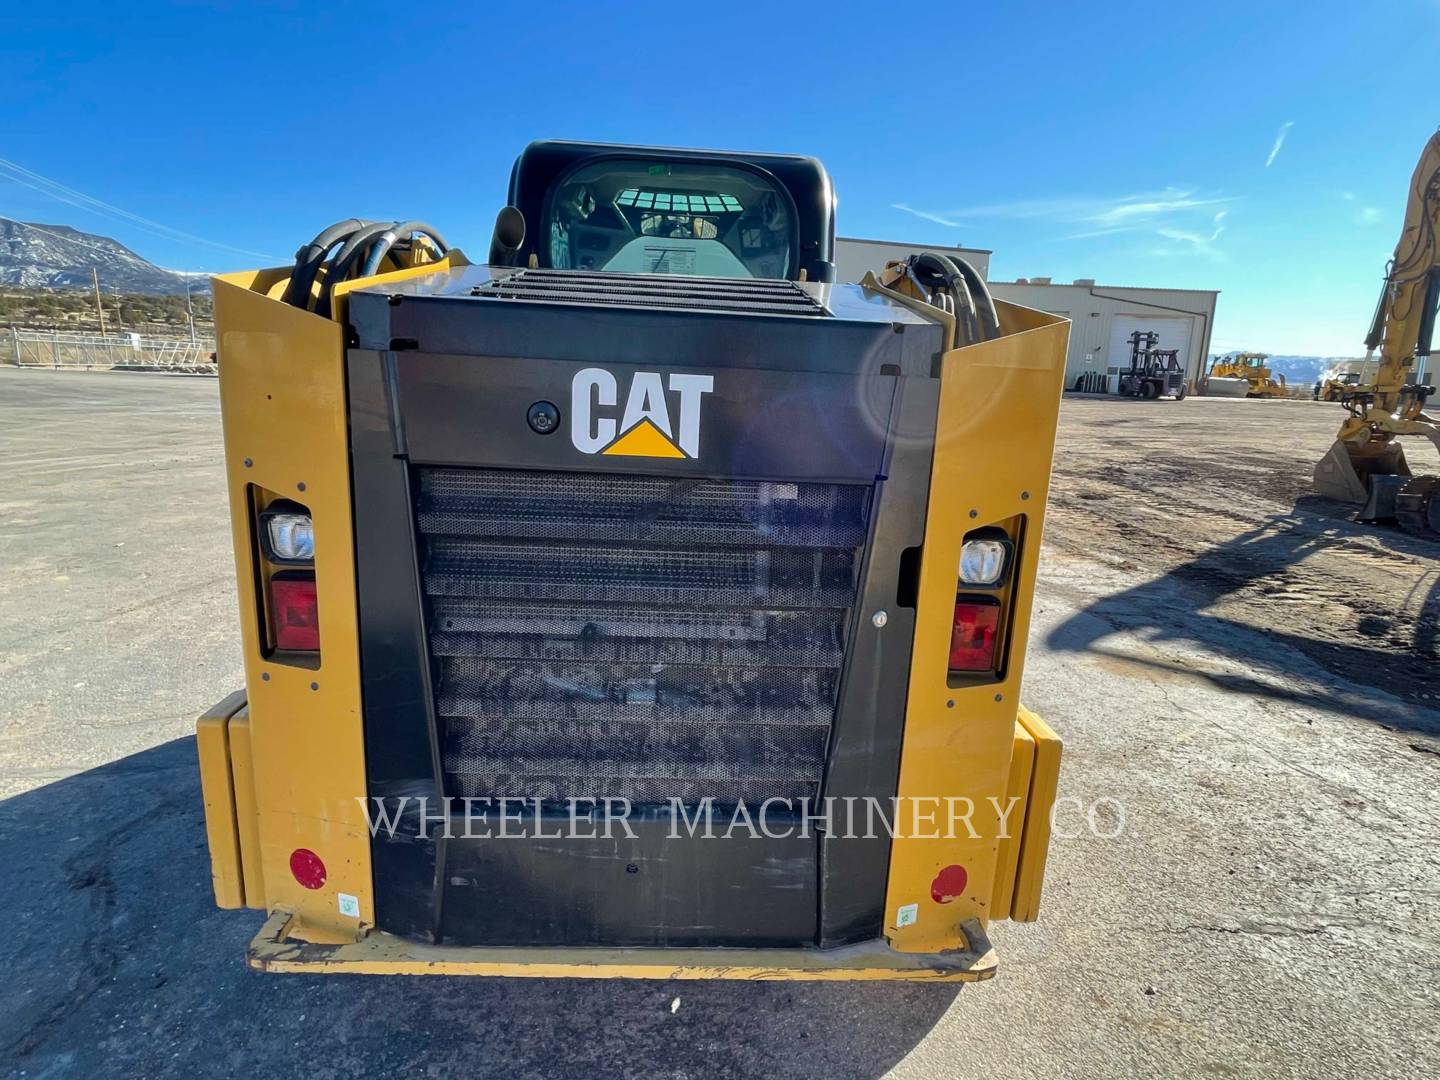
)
(1337, 386)
(1249, 368)
(1153, 373)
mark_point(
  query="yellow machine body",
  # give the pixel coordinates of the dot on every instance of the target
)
(283, 761)
(1366, 464)
(1250, 367)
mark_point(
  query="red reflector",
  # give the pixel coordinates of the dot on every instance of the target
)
(972, 640)
(297, 617)
(309, 871)
(949, 884)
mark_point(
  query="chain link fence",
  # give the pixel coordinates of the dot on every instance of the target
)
(122, 352)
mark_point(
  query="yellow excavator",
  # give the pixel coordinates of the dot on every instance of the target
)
(1367, 464)
(1251, 367)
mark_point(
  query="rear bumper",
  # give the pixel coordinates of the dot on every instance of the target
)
(381, 954)
(286, 944)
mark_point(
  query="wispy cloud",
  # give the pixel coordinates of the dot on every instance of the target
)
(1364, 215)
(1112, 212)
(1194, 243)
(939, 219)
(1279, 142)
(1179, 210)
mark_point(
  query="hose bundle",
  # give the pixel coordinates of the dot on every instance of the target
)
(350, 249)
(953, 285)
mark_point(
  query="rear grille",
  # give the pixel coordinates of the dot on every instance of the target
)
(748, 295)
(635, 637)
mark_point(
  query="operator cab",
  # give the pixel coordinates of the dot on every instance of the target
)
(654, 210)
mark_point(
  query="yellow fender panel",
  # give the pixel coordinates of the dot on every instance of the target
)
(1039, 807)
(218, 791)
(995, 437)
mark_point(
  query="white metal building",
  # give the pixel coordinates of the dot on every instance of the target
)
(1102, 317)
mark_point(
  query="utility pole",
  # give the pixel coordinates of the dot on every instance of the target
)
(99, 311)
(189, 310)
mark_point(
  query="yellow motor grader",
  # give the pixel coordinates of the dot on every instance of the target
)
(642, 603)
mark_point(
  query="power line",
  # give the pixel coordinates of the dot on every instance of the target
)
(53, 189)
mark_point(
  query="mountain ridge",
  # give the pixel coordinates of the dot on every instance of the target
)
(37, 255)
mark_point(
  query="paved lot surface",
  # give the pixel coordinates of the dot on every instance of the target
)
(1241, 668)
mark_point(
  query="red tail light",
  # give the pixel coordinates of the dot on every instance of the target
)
(307, 868)
(975, 633)
(297, 616)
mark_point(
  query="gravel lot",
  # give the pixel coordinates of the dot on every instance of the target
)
(1249, 675)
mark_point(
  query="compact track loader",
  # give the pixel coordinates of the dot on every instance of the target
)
(641, 603)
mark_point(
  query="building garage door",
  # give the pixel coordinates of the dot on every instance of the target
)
(1174, 334)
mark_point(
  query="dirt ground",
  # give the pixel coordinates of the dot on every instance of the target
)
(1244, 680)
(1216, 494)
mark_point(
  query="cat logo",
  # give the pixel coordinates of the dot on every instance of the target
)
(644, 428)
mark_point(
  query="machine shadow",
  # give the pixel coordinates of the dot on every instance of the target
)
(1262, 560)
(119, 963)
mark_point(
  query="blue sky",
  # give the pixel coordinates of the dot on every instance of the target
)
(1260, 149)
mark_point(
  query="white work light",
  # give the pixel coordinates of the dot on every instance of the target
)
(982, 562)
(292, 537)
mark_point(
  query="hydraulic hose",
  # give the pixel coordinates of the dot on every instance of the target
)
(337, 267)
(984, 302)
(381, 247)
(309, 259)
(342, 265)
(948, 291)
(975, 312)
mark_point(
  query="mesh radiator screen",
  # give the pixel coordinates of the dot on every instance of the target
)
(596, 636)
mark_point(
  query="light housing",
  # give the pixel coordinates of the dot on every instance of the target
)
(295, 612)
(984, 561)
(974, 634)
(289, 536)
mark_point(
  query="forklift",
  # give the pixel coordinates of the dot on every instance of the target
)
(1153, 373)
(639, 603)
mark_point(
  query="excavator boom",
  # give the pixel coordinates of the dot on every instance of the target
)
(1367, 464)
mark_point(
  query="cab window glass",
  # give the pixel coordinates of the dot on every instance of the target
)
(646, 217)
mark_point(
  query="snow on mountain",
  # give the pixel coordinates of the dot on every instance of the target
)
(61, 257)
(1305, 370)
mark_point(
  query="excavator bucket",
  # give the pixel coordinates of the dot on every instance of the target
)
(1364, 474)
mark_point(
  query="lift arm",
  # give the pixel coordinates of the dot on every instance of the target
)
(1405, 315)
(1366, 464)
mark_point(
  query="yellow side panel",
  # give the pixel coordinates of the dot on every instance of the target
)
(1035, 842)
(219, 795)
(282, 393)
(247, 818)
(999, 406)
(1017, 794)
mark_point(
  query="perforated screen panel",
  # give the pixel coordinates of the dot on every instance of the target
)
(634, 637)
(748, 296)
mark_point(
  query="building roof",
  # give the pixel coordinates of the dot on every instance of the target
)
(1096, 285)
(918, 247)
